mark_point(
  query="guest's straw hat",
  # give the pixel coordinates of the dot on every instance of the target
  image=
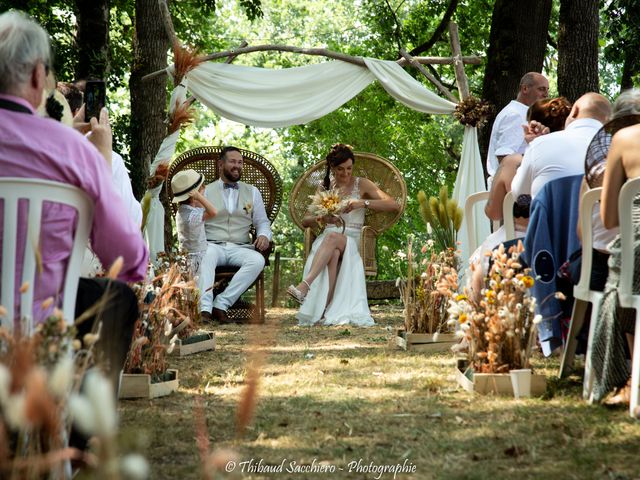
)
(184, 182)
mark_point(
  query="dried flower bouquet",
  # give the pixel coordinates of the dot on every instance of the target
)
(41, 397)
(328, 203)
(500, 327)
(168, 306)
(425, 308)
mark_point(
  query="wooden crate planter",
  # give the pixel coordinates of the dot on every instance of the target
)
(134, 385)
(198, 343)
(496, 383)
(423, 342)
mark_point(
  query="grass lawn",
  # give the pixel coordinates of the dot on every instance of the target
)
(330, 397)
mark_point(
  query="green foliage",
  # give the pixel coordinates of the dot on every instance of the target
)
(57, 17)
(619, 37)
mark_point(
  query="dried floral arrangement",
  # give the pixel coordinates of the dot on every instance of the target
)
(473, 112)
(41, 398)
(159, 176)
(425, 308)
(186, 296)
(182, 115)
(499, 327)
(168, 311)
(185, 59)
(327, 203)
(443, 218)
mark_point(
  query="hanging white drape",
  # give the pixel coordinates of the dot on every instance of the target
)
(279, 98)
(154, 226)
(293, 96)
(470, 179)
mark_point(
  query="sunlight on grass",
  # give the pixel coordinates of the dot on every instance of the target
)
(335, 397)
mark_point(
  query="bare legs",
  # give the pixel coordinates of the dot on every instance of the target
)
(328, 255)
(332, 269)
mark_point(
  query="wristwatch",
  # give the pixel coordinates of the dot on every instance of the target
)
(367, 203)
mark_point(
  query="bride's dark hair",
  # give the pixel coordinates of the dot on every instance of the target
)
(339, 153)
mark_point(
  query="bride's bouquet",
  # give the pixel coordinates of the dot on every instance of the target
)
(328, 203)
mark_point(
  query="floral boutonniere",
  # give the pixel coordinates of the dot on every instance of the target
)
(248, 208)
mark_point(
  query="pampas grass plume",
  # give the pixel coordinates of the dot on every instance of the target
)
(100, 393)
(62, 377)
(134, 467)
(81, 412)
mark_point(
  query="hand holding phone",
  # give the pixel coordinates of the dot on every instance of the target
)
(94, 99)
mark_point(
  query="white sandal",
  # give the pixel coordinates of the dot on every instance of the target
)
(296, 294)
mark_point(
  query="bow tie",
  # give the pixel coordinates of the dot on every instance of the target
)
(231, 185)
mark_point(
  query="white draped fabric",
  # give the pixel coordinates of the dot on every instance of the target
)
(470, 180)
(279, 98)
(154, 227)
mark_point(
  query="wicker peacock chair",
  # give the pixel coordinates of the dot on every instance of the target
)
(368, 165)
(257, 171)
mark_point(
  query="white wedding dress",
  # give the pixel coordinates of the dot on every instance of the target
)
(349, 305)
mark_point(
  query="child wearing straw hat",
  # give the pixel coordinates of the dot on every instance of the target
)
(188, 187)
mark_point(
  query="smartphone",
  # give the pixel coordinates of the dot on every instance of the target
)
(95, 93)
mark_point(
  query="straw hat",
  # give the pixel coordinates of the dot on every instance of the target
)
(184, 182)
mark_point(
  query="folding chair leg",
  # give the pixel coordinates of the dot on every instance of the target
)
(634, 408)
(577, 320)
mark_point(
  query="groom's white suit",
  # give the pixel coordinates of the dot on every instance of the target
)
(240, 206)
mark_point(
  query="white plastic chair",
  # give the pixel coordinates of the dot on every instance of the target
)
(35, 192)
(507, 217)
(583, 294)
(470, 205)
(625, 289)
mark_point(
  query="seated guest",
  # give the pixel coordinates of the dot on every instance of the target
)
(626, 112)
(91, 265)
(42, 148)
(544, 116)
(119, 171)
(506, 134)
(561, 154)
(240, 207)
(613, 334)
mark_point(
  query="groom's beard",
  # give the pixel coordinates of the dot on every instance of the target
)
(232, 174)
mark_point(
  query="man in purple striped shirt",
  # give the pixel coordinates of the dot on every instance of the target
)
(35, 147)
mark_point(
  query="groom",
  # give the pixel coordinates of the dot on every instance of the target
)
(240, 206)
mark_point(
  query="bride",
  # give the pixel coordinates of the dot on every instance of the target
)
(333, 289)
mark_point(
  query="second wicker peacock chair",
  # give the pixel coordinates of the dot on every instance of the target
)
(368, 165)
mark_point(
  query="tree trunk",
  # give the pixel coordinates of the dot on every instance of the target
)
(630, 70)
(92, 38)
(578, 48)
(148, 98)
(517, 45)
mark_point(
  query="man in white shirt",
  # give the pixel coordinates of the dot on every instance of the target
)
(240, 207)
(561, 154)
(507, 134)
(122, 184)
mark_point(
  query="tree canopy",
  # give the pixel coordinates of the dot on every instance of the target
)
(425, 148)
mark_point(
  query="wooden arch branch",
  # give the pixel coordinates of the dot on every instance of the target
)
(471, 60)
